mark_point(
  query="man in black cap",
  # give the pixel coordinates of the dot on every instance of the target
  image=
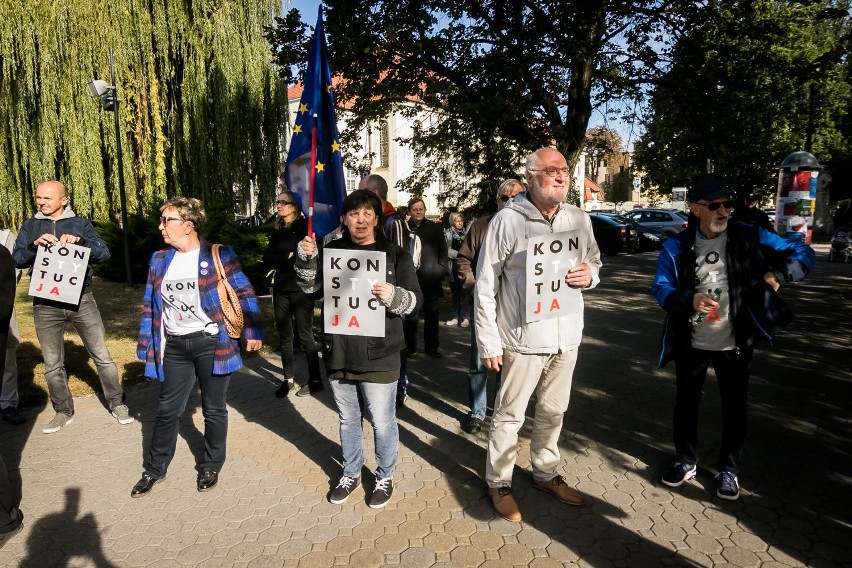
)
(751, 213)
(703, 280)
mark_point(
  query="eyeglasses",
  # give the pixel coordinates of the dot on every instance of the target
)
(283, 202)
(728, 204)
(505, 198)
(165, 220)
(552, 172)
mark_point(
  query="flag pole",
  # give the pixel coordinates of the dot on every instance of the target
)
(313, 175)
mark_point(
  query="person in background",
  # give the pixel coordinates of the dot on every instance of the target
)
(431, 272)
(292, 307)
(55, 223)
(704, 275)
(466, 261)
(11, 517)
(9, 389)
(750, 212)
(182, 337)
(536, 357)
(455, 235)
(365, 370)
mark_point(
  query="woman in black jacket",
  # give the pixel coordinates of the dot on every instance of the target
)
(361, 367)
(292, 306)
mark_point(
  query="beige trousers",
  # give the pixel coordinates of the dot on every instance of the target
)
(549, 377)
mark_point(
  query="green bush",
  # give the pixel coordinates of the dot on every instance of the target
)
(144, 239)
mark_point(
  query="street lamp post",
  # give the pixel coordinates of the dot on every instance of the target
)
(108, 95)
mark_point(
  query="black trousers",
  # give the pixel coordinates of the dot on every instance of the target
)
(430, 327)
(290, 308)
(733, 369)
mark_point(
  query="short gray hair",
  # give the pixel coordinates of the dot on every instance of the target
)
(508, 184)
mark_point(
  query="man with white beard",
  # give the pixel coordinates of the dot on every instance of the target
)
(705, 277)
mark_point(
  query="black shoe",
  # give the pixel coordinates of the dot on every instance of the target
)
(13, 528)
(12, 416)
(678, 473)
(433, 353)
(473, 426)
(310, 388)
(284, 389)
(727, 486)
(382, 493)
(207, 479)
(344, 488)
(411, 351)
(143, 486)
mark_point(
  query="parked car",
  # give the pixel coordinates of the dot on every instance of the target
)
(614, 237)
(669, 221)
(649, 238)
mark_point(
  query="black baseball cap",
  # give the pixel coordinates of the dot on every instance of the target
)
(709, 189)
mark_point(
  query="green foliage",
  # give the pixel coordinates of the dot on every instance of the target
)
(201, 111)
(491, 80)
(750, 83)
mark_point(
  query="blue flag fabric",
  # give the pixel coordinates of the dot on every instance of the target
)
(317, 99)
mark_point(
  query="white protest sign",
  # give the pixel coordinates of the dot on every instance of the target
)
(59, 272)
(349, 307)
(549, 257)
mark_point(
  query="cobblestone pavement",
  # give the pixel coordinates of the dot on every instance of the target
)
(270, 507)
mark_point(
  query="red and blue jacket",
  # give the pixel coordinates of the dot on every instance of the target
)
(151, 333)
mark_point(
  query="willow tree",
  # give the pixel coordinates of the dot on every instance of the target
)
(201, 111)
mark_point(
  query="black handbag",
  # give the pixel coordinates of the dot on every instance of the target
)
(767, 310)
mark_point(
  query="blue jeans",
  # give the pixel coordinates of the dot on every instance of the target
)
(183, 360)
(380, 405)
(50, 319)
(477, 379)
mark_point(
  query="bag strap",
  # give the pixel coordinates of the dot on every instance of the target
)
(217, 260)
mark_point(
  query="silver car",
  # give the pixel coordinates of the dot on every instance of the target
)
(669, 221)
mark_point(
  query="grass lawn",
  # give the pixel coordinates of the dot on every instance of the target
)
(120, 309)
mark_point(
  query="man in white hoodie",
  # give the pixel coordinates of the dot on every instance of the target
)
(534, 356)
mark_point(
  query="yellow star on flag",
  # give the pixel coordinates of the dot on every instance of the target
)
(320, 166)
(303, 108)
(297, 129)
(335, 147)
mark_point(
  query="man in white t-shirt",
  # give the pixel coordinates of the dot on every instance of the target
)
(703, 280)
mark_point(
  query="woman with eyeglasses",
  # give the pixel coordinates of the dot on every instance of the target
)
(455, 235)
(182, 337)
(293, 309)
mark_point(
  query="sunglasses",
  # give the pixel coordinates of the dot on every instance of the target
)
(505, 198)
(283, 202)
(729, 204)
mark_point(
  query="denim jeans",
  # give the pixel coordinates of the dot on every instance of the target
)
(732, 374)
(380, 406)
(183, 360)
(50, 319)
(477, 380)
(301, 308)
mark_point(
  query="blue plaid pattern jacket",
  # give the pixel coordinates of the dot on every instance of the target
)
(151, 334)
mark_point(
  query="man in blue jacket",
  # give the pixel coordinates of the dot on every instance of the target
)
(55, 222)
(703, 281)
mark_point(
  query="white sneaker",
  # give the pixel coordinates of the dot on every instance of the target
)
(57, 423)
(122, 414)
(453, 321)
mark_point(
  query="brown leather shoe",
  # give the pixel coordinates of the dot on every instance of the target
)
(561, 490)
(504, 503)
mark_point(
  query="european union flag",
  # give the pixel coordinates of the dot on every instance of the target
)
(317, 101)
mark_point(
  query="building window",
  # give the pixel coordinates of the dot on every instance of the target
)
(352, 180)
(384, 144)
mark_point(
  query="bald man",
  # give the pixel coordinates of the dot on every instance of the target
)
(56, 223)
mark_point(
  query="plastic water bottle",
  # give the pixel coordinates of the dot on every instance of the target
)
(698, 318)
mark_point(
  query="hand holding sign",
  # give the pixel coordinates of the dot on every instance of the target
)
(59, 271)
(579, 276)
(383, 291)
(49, 238)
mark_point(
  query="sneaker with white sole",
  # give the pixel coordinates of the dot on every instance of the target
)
(344, 489)
(381, 493)
(678, 473)
(727, 486)
(122, 414)
(59, 421)
(453, 321)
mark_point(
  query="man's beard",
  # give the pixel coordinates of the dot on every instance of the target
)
(718, 227)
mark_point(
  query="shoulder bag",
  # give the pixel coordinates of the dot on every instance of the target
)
(231, 309)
